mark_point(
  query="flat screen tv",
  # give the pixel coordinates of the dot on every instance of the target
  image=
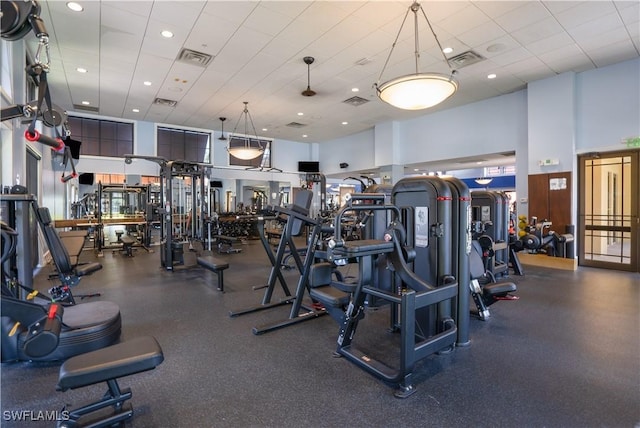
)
(308, 166)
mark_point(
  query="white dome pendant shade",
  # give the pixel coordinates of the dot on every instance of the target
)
(419, 90)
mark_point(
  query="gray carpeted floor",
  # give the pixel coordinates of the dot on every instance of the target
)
(567, 354)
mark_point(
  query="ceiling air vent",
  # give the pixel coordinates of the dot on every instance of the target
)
(192, 57)
(296, 125)
(165, 102)
(465, 59)
(86, 108)
(356, 101)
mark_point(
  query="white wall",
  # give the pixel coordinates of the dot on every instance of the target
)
(608, 106)
(552, 119)
(357, 150)
(490, 126)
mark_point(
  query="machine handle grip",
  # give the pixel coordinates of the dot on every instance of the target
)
(55, 143)
(66, 178)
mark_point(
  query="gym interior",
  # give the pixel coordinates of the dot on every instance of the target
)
(472, 262)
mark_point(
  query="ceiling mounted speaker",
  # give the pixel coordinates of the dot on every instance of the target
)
(308, 92)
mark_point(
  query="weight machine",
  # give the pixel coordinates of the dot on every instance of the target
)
(122, 205)
(182, 211)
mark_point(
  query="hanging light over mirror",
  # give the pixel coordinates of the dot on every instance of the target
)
(249, 148)
(419, 90)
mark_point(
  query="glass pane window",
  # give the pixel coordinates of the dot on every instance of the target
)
(102, 137)
(181, 144)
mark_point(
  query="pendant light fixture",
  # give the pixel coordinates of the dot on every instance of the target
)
(243, 146)
(483, 181)
(308, 92)
(419, 90)
(222, 137)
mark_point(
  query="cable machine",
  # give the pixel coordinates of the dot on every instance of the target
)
(183, 205)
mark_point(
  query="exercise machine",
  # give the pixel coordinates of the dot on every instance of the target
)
(410, 298)
(183, 212)
(539, 238)
(122, 208)
(426, 303)
(296, 220)
(45, 330)
(490, 212)
(485, 289)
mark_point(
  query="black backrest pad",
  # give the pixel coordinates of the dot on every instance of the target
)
(56, 248)
(476, 265)
(301, 204)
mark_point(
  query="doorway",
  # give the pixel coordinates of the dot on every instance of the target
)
(609, 205)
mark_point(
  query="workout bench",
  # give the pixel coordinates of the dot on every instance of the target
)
(214, 265)
(225, 244)
(108, 365)
(127, 245)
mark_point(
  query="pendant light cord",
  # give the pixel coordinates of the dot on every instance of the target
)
(414, 8)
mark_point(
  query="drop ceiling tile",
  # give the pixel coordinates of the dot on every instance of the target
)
(603, 24)
(525, 15)
(537, 31)
(612, 53)
(481, 34)
(584, 12)
(497, 8)
(462, 21)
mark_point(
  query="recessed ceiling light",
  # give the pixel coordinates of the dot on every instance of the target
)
(478, 163)
(301, 114)
(345, 123)
(135, 110)
(447, 50)
(264, 129)
(304, 135)
(166, 34)
(76, 7)
(491, 76)
(146, 83)
(354, 89)
(81, 70)
(85, 103)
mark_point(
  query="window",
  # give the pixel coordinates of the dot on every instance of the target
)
(102, 137)
(180, 144)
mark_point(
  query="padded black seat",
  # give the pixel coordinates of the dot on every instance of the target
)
(365, 247)
(108, 365)
(85, 327)
(333, 295)
(499, 289)
(113, 362)
(215, 265)
(127, 245)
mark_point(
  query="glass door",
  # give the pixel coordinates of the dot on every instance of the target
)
(608, 213)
